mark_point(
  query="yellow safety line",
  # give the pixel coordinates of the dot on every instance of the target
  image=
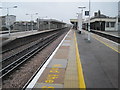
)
(79, 66)
(106, 44)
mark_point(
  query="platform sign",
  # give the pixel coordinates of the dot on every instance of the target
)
(86, 13)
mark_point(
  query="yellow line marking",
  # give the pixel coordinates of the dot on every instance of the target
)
(79, 66)
(106, 44)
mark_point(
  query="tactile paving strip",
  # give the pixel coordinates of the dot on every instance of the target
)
(52, 76)
(44, 85)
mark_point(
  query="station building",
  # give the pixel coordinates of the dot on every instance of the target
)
(45, 24)
(74, 22)
(24, 25)
(6, 21)
(102, 22)
(99, 22)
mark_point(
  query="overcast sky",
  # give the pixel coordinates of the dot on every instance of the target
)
(58, 10)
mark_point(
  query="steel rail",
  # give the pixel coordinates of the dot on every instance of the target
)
(5, 71)
(110, 37)
(18, 54)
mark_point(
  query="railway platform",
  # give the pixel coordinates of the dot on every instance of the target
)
(21, 34)
(61, 69)
(79, 63)
(99, 58)
(5, 38)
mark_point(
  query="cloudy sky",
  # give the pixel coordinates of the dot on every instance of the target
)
(57, 9)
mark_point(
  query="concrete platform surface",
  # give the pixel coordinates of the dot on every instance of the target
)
(79, 63)
(99, 58)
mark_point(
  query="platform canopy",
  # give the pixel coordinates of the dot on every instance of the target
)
(73, 20)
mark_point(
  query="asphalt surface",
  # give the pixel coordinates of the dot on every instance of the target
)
(99, 63)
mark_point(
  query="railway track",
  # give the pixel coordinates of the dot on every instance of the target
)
(21, 53)
(26, 54)
(18, 48)
(23, 41)
(113, 38)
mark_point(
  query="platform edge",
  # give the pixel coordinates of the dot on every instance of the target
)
(79, 66)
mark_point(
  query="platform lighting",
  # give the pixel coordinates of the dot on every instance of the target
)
(39, 20)
(89, 22)
(81, 7)
(32, 19)
(7, 21)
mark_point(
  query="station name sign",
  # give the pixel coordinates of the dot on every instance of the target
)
(86, 13)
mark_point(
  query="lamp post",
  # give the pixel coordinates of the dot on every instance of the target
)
(32, 19)
(89, 23)
(7, 16)
(26, 26)
(39, 21)
(80, 17)
(100, 25)
(81, 7)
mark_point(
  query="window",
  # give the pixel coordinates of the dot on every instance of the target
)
(119, 19)
(112, 24)
(107, 24)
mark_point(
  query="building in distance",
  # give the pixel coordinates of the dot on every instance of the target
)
(98, 22)
(7, 21)
(24, 25)
(102, 22)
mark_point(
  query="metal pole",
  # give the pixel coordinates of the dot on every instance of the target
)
(89, 23)
(82, 19)
(80, 22)
(31, 23)
(26, 26)
(8, 21)
(49, 25)
(117, 23)
(7, 11)
(81, 16)
(38, 23)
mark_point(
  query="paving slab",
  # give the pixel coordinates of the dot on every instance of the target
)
(62, 53)
(44, 85)
(52, 76)
(62, 63)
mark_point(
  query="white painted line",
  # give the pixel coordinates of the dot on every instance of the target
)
(108, 40)
(33, 82)
(111, 41)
